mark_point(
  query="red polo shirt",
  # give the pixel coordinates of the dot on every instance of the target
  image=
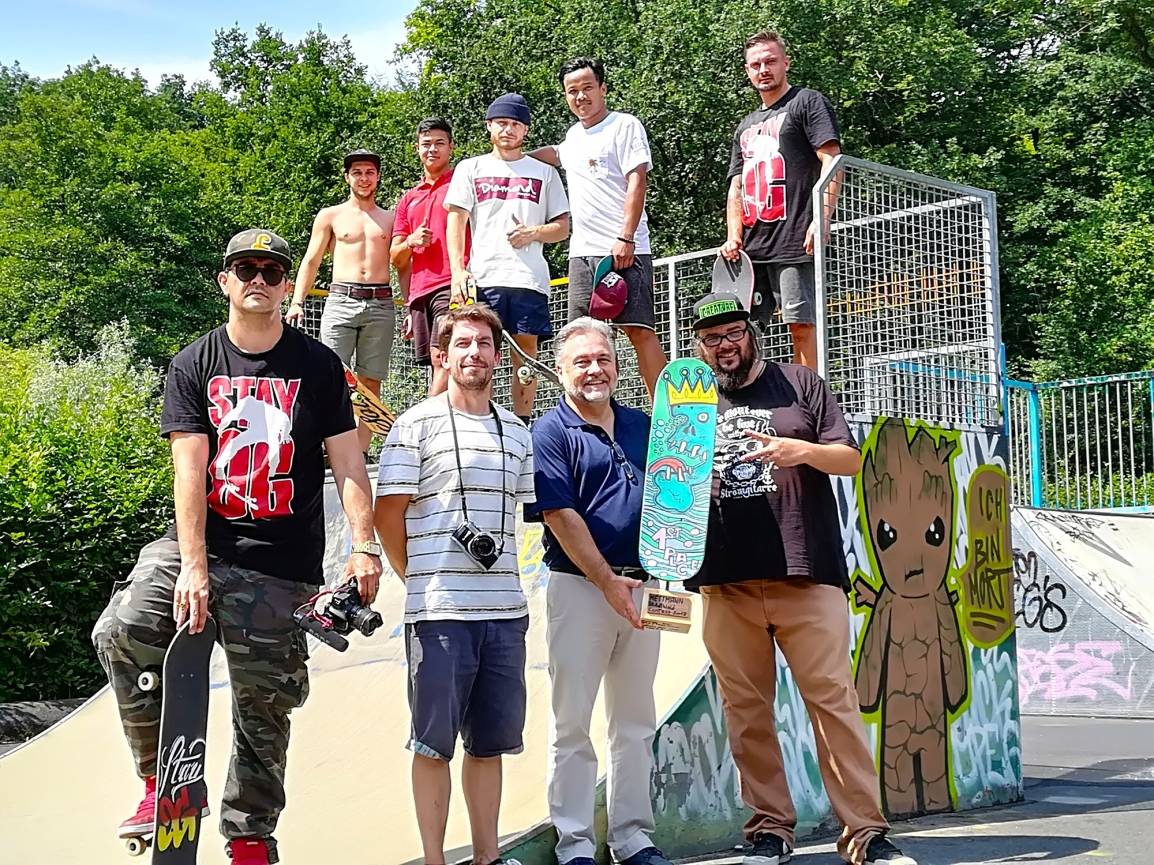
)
(424, 204)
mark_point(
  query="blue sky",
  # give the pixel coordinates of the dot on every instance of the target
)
(175, 36)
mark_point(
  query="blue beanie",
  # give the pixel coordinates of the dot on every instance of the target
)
(511, 106)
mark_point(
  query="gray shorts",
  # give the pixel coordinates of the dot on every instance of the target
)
(360, 328)
(788, 287)
(638, 311)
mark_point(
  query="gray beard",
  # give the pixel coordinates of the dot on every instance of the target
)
(730, 380)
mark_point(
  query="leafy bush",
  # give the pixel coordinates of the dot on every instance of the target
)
(85, 481)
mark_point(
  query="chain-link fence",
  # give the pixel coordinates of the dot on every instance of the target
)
(907, 276)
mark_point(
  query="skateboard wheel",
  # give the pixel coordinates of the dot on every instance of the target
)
(136, 846)
(525, 375)
(147, 681)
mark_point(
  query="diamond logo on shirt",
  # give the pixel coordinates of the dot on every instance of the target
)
(507, 188)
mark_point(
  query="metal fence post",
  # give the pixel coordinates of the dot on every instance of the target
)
(1034, 432)
(674, 331)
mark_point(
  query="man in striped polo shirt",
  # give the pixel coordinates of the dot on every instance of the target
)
(452, 472)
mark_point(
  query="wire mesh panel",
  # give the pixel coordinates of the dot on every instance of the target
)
(907, 296)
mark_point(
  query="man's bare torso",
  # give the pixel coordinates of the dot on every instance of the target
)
(360, 243)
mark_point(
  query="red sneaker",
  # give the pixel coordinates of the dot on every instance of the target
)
(252, 851)
(142, 821)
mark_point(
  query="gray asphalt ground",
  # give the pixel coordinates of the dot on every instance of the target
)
(1089, 799)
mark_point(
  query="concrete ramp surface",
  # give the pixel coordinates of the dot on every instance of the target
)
(63, 793)
(1084, 604)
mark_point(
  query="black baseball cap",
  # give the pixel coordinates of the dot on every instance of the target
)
(258, 243)
(361, 155)
(721, 307)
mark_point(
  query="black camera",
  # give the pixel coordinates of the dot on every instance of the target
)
(478, 545)
(343, 614)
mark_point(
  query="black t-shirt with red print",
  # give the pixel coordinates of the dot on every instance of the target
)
(768, 522)
(774, 153)
(266, 416)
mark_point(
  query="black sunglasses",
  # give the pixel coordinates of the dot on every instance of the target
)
(246, 272)
(619, 455)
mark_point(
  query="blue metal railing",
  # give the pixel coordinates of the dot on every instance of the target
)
(1085, 443)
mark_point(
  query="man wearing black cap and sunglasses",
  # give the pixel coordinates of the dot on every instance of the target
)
(359, 319)
(250, 409)
(775, 578)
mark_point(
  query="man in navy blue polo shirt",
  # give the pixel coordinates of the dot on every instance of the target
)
(589, 472)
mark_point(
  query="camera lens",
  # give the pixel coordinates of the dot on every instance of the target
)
(482, 546)
(366, 620)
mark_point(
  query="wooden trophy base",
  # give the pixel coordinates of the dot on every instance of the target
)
(666, 611)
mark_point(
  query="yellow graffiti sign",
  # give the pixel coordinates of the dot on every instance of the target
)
(989, 595)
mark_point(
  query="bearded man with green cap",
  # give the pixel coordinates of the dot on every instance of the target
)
(775, 579)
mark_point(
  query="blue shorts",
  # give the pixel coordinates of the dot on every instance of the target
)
(466, 678)
(521, 310)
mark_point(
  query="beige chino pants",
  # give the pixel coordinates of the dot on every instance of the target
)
(589, 643)
(743, 623)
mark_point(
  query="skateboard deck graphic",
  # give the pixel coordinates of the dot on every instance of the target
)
(679, 471)
(368, 406)
(735, 277)
(181, 791)
(529, 368)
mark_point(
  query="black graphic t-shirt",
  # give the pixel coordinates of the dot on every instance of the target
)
(773, 152)
(767, 522)
(266, 417)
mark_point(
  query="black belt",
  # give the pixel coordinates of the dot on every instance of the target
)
(631, 573)
(362, 291)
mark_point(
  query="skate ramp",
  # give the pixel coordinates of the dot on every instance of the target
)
(1084, 605)
(63, 793)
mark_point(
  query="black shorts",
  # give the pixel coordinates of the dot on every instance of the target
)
(425, 313)
(788, 287)
(638, 310)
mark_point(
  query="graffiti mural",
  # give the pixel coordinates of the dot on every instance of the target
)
(933, 591)
(911, 664)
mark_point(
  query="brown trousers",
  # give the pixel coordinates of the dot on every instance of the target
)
(810, 624)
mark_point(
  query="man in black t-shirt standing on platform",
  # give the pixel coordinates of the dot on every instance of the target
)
(779, 152)
(250, 410)
(774, 576)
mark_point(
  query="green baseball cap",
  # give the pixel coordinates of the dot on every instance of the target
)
(258, 243)
(721, 307)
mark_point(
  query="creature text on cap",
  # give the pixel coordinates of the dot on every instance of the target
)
(511, 106)
(258, 243)
(361, 155)
(721, 307)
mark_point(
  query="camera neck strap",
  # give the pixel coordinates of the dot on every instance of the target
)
(461, 473)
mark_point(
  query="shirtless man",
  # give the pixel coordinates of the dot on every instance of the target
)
(359, 318)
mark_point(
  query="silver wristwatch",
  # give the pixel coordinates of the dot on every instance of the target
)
(371, 548)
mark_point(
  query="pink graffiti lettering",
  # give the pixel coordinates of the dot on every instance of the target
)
(1080, 671)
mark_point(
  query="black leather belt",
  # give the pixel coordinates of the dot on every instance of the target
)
(362, 291)
(631, 573)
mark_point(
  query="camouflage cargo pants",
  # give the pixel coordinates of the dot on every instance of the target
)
(266, 655)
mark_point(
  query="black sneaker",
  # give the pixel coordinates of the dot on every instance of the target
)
(768, 849)
(648, 856)
(881, 851)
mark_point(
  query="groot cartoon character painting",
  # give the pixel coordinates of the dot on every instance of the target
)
(912, 662)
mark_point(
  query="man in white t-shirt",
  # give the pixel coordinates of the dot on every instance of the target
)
(452, 472)
(606, 159)
(513, 205)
